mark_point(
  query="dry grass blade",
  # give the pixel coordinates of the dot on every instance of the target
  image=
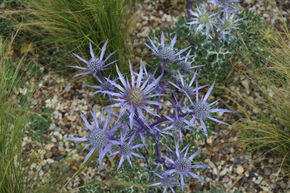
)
(268, 131)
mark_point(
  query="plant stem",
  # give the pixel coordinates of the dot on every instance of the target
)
(164, 119)
(164, 63)
(100, 75)
(158, 149)
(188, 6)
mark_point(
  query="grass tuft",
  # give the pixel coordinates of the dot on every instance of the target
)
(268, 131)
(13, 120)
(72, 24)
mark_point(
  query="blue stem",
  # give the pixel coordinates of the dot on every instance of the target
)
(101, 76)
(188, 6)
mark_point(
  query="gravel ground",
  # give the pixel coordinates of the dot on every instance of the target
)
(231, 168)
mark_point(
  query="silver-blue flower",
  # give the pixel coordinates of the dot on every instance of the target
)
(166, 181)
(134, 97)
(98, 137)
(182, 164)
(203, 22)
(126, 149)
(95, 64)
(202, 110)
(167, 52)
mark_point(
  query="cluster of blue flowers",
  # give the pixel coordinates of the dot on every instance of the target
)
(219, 22)
(140, 107)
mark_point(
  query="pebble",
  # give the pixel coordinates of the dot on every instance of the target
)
(48, 155)
(240, 170)
(209, 140)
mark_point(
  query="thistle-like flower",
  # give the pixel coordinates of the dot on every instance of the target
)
(202, 21)
(98, 137)
(134, 97)
(202, 110)
(227, 5)
(165, 52)
(95, 64)
(161, 87)
(187, 89)
(126, 149)
(166, 181)
(227, 25)
(182, 164)
(178, 124)
(185, 65)
(104, 86)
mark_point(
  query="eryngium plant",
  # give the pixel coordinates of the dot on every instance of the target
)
(144, 111)
(216, 23)
(210, 28)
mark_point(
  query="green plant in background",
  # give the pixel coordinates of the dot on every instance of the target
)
(206, 52)
(39, 123)
(13, 120)
(250, 38)
(72, 24)
(268, 131)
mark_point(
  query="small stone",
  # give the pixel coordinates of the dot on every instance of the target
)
(50, 161)
(37, 95)
(54, 151)
(240, 170)
(209, 140)
(245, 84)
(223, 172)
(267, 171)
(61, 153)
(48, 155)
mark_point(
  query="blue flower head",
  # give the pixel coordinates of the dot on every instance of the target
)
(203, 21)
(228, 6)
(182, 164)
(166, 181)
(186, 88)
(227, 25)
(95, 64)
(202, 109)
(177, 124)
(185, 65)
(166, 52)
(126, 149)
(98, 137)
(135, 96)
(103, 86)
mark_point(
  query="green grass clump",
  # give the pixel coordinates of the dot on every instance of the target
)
(39, 123)
(72, 24)
(269, 130)
(13, 120)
